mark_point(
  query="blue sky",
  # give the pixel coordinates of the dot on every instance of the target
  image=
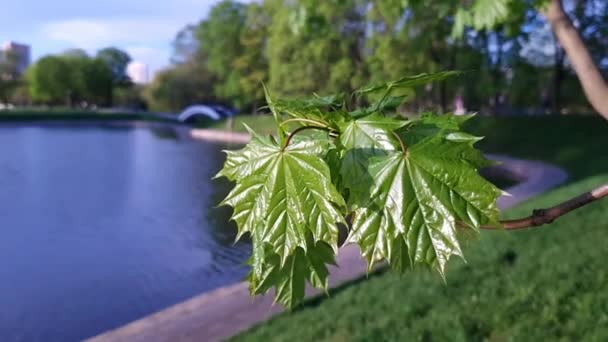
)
(144, 28)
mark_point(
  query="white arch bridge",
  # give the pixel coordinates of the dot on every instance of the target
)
(193, 112)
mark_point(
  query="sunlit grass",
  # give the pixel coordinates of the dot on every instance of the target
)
(542, 284)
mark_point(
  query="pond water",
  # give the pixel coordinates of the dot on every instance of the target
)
(105, 224)
(102, 225)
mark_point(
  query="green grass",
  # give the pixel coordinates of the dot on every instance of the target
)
(576, 143)
(72, 115)
(262, 124)
(549, 283)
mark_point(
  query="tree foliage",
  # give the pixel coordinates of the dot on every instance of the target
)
(174, 89)
(117, 60)
(220, 45)
(409, 188)
(315, 46)
(75, 77)
(50, 80)
(304, 46)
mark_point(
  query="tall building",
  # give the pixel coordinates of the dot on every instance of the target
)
(22, 53)
(138, 72)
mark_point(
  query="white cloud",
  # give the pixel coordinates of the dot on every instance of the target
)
(147, 40)
(144, 29)
(96, 33)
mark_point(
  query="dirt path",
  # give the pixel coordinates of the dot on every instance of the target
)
(225, 312)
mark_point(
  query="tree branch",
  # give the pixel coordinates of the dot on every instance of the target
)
(540, 217)
(591, 79)
(299, 129)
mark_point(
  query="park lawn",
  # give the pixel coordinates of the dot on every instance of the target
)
(66, 114)
(262, 124)
(574, 142)
(541, 284)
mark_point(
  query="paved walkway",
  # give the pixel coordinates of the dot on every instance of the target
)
(533, 177)
(220, 136)
(225, 312)
(222, 313)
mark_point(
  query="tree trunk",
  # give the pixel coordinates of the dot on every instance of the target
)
(593, 83)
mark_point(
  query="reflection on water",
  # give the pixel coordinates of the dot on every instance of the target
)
(102, 226)
(165, 132)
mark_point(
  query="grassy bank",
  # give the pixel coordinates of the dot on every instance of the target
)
(72, 115)
(542, 284)
(263, 124)
(575, 143)
(537, 285)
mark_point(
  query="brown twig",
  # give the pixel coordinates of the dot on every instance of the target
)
(299, 129)
(540, 217)
(403, 146)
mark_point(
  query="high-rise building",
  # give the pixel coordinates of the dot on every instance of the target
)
(138, 72)
(22, 53)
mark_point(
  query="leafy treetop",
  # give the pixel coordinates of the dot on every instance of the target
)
(406, 190)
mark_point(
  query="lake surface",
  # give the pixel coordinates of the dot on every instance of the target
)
(104, 225)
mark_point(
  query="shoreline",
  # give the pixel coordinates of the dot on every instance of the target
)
(230, 310)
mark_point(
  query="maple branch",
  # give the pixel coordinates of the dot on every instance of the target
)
(540, 217)
(300, 129)
(403, 146)
(314, 122)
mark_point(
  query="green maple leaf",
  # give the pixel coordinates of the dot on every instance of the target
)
(285, 193)
(430, 124)
(290, 278)
(411, 185)
(322, 111)
(445, 121)
(285, 199)
(254, 157)
(420, 199)
(408, 82)
(329, 101)
(488, 13)
(259, 152)
(360, 140)
(390, 104)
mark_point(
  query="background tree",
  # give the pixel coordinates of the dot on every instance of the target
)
(75, 53)
(176, 88)
(252, 64)
(50, 81)
(69, 79)
(97, 77)
(314, 46)
(487, 14)
(219, 39)
(185, 45)
(298, 47)
(117, 61)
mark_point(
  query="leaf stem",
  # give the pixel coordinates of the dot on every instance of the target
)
(300, 129)
(540, 217)
(403, 146)
(389, 89)
(320, 123)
